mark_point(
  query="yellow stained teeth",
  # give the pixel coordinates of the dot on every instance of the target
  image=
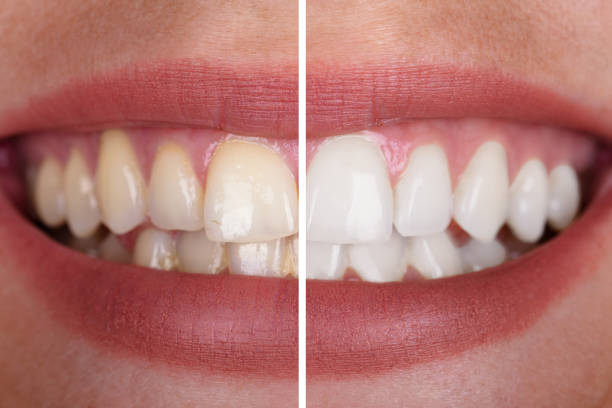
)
(81, 203)
(49, 200)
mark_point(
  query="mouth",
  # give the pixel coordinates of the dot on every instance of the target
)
(444, 216)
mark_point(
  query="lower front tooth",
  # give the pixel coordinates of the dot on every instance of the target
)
(155, 249)
(49, 199)
(434, 256)
(113, 250)
(478, 255)
(564, 196)
(197, 254)
(81, 203)
(383, 261)
(326, 261)
(257, 258)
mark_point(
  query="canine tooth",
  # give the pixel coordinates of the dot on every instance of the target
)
(49, 200)
(434, 256)
(528, 201)
(113, 250)
(176, 200)
(81, 204)
(197, 254)
(564, 196)
(257, 258)
(251, 195)
(478, 255)
(383, 261)
(119, 184)
(423, 196)
(155, 249)
(349, 194)
(481, 197)
(325, 261)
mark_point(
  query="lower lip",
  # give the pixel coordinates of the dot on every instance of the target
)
(359, 328)
(222, 323)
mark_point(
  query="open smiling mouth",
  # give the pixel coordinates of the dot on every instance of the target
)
(430, 234)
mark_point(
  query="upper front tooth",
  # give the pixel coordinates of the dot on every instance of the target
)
(481, 197)
(528, 195)
(49, 199)
(434, 256)
(176, 201)
(257, 258)
(349, 194)
(383, 261)
(478, 255)
(81, 203)
(197, 254)
(251, 194)
(423, 203)
(326, 261)
(119, 183)
(155, 249)
(564, 196)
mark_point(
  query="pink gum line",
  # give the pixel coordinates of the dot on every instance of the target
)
(198, 143)
(461, 138)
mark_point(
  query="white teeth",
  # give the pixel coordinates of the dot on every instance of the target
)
(251, 194)
(197, 254)
(81, 203)
(111, 249)
(326, 261)
(481, 197)
(478, 255)
(564, 196)
(383, 261)
(176, 201)
(258, 258)
(528, 202)
(155, 249)
(120, 187)
(49, 199)
(423, 196)
(349, 194)
(434, 256)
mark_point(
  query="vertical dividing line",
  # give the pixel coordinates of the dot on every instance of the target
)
(302, 203)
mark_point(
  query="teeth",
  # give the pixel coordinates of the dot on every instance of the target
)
(291, 258)
(176, 201)
(528, 201)
(434, 256)
(49, 193)
(349, 194)
(81, 203)
(481, 197)
(251, 194)
(155, 249)
(326, 261)
(564, 196)
(383, 261)
(257, 258)
(423, 203)
(197, 254)
(478, 255)
(111, 249)
(120, 186)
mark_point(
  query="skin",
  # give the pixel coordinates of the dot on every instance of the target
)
(562, 360)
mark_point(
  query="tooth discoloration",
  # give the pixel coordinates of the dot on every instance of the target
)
(49, 199)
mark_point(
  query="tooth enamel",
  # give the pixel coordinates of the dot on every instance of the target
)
(49, 200)
(528, 202)
(478, 255)
(81, 204)
(434, 256)
(155, 249)
(176, 201)
(481, 197)
(563, 196)
(111, 249)
(119, 183)
(423, 196)
(383, 261)
(290, 266)
(349, 194)
(326, 261)
(257, 258)
(251, 195)
(197, 254)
